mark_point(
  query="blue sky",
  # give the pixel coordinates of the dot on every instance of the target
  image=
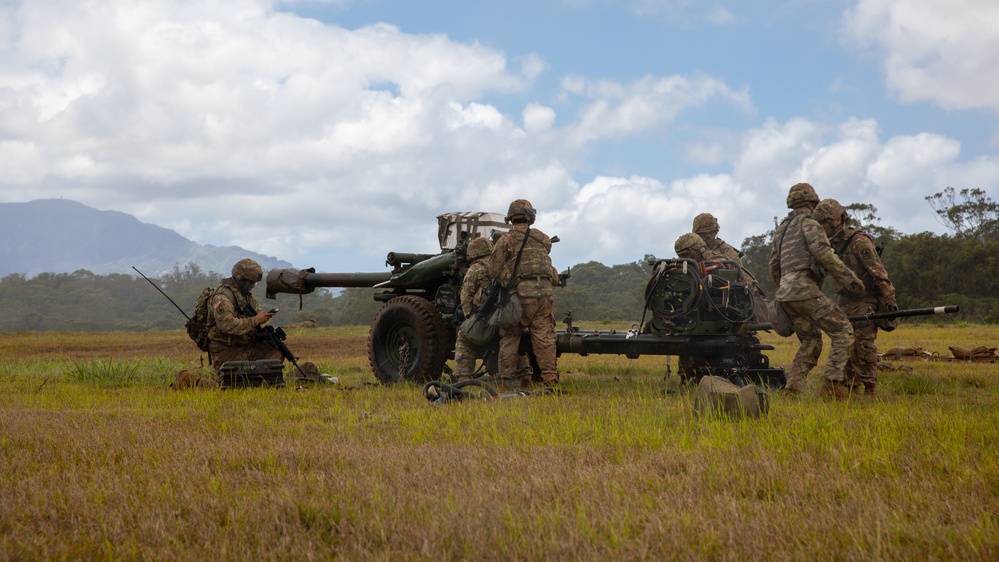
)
(329, 133)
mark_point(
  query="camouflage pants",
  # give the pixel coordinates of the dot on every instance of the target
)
(256, 351)
(466, 354)
(862, 368)
(539, 318)
(812, 317)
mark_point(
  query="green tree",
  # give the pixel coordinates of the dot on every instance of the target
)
(975, 215)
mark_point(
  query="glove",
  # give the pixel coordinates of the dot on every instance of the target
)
(856, 287)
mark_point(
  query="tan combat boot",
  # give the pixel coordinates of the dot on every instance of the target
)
(833, 390)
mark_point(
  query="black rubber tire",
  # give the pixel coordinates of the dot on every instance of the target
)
(408, 341)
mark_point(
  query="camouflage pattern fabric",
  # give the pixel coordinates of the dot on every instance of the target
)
(539, 319)
(720, 247)
(534, 282)
(812, 317)
(232, 329)
(473, 289)
(535, 274)
(800, 257)
(474, 285)
(862, 258)
(800, 254)
(230, 325)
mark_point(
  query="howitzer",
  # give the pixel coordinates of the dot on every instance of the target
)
(871, 315)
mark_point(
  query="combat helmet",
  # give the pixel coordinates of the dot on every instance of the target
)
(247, 269)
(521, 208)
(827, 210)
(690, 246)
(800, 194)
(704, 223)
(478, 248)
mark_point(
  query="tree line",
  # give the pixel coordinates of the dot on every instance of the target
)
(960, 267)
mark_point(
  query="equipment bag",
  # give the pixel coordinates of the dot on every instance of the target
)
(509, 310)
(779, 319)
(479, 330)
(717, 395)
(197, 324)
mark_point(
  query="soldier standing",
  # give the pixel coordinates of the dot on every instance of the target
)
(799, 259)
(235, 317)
(858, 252)
(473, 292)
(520, 262)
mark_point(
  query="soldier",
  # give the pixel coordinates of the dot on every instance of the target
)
(799, 259)
(235, 317)
(692, 246)
(857, 251)
(520, 262)
(473, 292)
(706, 226)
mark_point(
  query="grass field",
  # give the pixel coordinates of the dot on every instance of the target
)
(99, 459)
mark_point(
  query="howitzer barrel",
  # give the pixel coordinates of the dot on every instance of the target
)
(880, 315)
(346, 279)
(635, 345)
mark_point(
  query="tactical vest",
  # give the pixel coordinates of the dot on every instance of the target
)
(793, 248)
(844, 249)
(240, 302)
(535, 262)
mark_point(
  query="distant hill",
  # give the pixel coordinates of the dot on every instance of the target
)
(62, 236)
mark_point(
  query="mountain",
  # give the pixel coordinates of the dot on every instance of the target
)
(62, 236)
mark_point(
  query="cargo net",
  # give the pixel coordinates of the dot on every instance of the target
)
(686, 296)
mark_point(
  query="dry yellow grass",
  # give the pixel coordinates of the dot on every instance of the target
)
(613, 469)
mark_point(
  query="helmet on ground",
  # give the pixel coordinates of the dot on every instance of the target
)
(690, 246)
(247, 269)
(478, 248)
(521, 208)
(704, 222)
(801, 194)
(827, 210)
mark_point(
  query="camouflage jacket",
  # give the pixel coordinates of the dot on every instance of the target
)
(719, 246)
(230, 323)
(535, 276)
(800, 258)
(474, 285)
(857, 251)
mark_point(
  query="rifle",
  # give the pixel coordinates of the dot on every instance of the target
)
(275, 337)
(871, 315)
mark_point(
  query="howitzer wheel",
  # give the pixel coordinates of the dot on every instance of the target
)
(408, 341)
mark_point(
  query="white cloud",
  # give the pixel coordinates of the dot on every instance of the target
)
(943, 52)
(618, 109)
(234, 123)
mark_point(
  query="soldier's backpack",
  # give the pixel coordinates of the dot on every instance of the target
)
(197, 324)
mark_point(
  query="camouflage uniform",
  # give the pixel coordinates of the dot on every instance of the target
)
(534, 283)
(473, 292)
(232, 324)
(800, 257)
(857, 251)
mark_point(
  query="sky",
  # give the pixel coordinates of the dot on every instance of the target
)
(328, 133)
